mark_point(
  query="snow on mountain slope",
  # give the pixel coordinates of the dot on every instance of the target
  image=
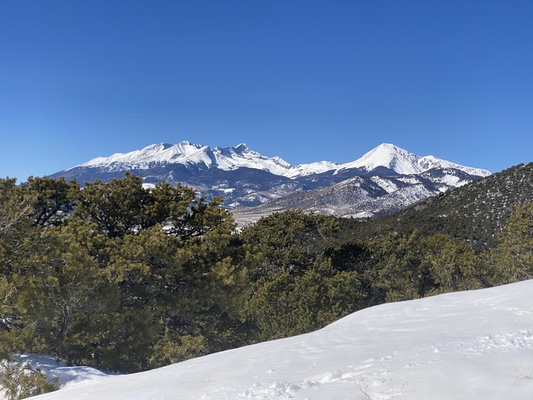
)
(467, 345)
(183, 152)
(188, 154)
(405, 163)
(232, 158)
(245, 178)
(317, 167)
(359, 197)
(388, 156)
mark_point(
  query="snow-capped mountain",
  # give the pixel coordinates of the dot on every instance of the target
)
(193, 156)
(198, 156)
(383, 180)
(404, 163)
(468, 345)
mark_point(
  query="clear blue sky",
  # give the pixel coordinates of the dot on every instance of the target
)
(303, 80)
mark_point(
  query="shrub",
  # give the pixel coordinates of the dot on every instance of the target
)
(20, 380)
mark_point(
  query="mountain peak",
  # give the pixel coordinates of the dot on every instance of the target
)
(241, 147)
(189, 154)
(244, 177)
(387, 147)
(388, 156)
(402, 162)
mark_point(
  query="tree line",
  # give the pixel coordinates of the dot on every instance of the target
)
(127, 278)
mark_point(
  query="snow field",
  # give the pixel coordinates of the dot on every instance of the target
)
(468, 345)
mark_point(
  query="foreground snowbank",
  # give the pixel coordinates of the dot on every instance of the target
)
(468, 345)
(57, 369)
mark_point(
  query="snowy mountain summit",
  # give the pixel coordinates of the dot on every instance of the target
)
(245, 178)
(191, 155)
(405, 163)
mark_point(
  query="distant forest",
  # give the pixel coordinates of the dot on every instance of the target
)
(127, 279)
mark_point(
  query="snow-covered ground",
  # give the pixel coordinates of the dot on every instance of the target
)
(468, 345)
(58, 369)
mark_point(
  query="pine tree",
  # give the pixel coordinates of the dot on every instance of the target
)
(512, 259)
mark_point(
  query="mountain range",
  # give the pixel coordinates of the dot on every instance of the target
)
(382, 181)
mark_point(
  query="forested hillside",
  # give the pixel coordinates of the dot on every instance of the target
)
(476, 212)
(125, 278)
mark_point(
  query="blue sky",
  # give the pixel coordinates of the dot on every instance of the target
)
(303, 80)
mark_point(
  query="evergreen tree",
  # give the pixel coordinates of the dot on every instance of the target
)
(398, 271)
(453, 264)
(53, 199)
(289, 240)
(512, 259)
(128, 278)
(18, 241)
(116, 207)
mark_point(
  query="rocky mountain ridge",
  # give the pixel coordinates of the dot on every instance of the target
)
(383, 180)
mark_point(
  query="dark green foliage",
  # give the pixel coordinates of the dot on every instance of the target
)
(15, 223)
(19, 380)
(476, 212)
(52, 199)
(290, 240)
(512, 257)
(301, 285)
(125, 278)
(115, 275)
(116, 207)
(408, 267)
(295, 287)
